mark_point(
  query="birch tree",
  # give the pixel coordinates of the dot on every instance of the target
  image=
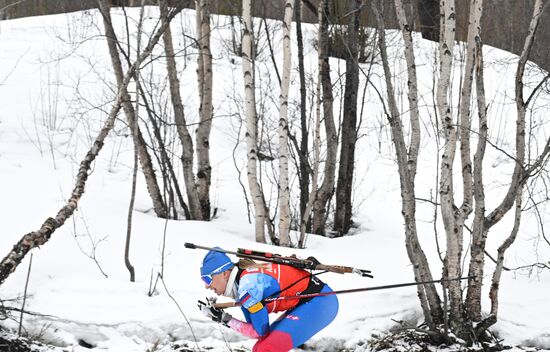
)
(144, 156)
(186, 140)
(251, 123)
(284, 191)
(198, 189)
(524, 169)
(204, 73)
(465, 317)
(453, 216)
(407, 157)
(326, 189)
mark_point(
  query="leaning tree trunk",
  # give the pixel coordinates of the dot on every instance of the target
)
(251, 123)
(42, 235)
(204, 73)
(284, 191)
(495, 282)
(326, 189)
(181, 123)
(144, 157)
(342, 214)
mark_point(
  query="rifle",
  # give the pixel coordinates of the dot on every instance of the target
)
(225, 305)
(309, 263)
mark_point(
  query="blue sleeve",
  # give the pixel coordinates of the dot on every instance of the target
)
(259, 320)
(251, 293)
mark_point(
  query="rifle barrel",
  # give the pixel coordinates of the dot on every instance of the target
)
(278, 259)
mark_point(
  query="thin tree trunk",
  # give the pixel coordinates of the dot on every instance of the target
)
(144, 157)
(204, 72)
(513, 195)
(181, 123)
(495, 282)
(427, 294)
(451, 219)
(479, 230)
(407, 161)
(251, 135)
(284, 191)
(316, 155)
(343, 212)
(455, 225)
(42, 235)
(518, 176)
(127, 261)
(303, 151)
(326, 189)
(164, 157)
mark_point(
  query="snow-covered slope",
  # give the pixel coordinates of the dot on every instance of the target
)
(54, 75)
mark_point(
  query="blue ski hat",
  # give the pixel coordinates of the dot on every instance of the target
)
(214, 262)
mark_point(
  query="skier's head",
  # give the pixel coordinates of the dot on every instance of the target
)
(215, 270)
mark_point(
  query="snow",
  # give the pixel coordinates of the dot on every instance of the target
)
(45, 131)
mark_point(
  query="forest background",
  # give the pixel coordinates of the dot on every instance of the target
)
(61, 75)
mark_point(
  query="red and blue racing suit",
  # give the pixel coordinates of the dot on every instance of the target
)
(302, 319)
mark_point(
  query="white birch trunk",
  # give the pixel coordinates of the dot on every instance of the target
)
(465, 121)
(453, 227)
(284, 191)
(474, 67)
(479, 230)
(251, 123)
(204, 72)
(429, 298)
(460, 214)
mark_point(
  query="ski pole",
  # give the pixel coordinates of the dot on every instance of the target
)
(320, 294)
(310, 263)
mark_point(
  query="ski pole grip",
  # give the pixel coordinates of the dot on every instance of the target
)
(190, 245)
(333, 268)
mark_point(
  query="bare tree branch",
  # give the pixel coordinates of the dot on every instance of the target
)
(41, 236)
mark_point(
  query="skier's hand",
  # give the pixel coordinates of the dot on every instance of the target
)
(216, 314)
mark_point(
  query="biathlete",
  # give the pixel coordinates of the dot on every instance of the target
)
(249, 284)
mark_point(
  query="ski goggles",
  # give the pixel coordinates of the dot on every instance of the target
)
(207, 279)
